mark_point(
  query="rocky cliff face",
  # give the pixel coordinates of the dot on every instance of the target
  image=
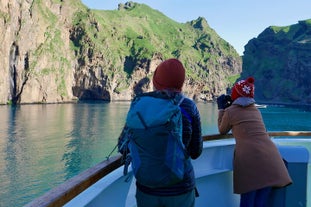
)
(58, 50)
(280, 60)
(36, 62)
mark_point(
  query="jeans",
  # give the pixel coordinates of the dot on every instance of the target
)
(257, 198)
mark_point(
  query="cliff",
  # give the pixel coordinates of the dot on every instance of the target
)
(280, 60)
(35, 63)
(59, 50)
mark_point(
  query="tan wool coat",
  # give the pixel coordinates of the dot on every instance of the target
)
(257, 161)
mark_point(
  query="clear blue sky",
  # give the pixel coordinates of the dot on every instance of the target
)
(236, 21)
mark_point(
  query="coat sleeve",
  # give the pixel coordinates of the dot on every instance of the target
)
(224, 125)
(192, 135)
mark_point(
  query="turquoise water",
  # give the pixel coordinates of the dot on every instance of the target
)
(41, 146)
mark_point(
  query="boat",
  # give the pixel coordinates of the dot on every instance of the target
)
(105, 184)
(261, 106)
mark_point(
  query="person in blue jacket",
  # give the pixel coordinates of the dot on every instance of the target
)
(169, 76)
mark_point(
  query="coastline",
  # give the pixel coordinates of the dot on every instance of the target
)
(279, 103)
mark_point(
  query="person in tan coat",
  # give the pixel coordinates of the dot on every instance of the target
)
(257, 166)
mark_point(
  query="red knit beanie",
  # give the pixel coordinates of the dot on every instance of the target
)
(243, 88)
(169, 75)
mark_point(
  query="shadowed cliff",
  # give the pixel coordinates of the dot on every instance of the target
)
(280, 60)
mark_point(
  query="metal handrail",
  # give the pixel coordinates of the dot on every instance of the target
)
(271, 134)
(63, 193)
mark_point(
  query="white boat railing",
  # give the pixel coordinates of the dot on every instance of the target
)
(65, 192)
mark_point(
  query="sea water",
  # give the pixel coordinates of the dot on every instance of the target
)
(41, 146)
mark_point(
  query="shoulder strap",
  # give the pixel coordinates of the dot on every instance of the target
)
(179, 98)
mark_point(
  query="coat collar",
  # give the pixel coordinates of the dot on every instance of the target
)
(244, 101)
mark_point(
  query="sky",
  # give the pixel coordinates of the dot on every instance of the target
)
(236, 21)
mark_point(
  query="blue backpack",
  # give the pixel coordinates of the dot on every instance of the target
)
(154, 138)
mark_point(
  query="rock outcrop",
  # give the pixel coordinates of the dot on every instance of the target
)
(36, 60)
(280, 60)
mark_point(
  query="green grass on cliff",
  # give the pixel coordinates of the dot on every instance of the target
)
(138, 31)
(290, 32)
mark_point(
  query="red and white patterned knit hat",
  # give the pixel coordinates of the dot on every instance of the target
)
(243, 88)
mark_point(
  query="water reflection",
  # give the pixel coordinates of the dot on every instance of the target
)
(209, 114)
(28, 151)
(93, 125)
(11, 152)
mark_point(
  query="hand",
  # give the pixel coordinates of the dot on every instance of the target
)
(224, 101)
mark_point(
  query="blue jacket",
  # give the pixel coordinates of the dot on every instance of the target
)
(192, 140)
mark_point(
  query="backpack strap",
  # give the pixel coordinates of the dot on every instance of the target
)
(142, 119)
(179, 99)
